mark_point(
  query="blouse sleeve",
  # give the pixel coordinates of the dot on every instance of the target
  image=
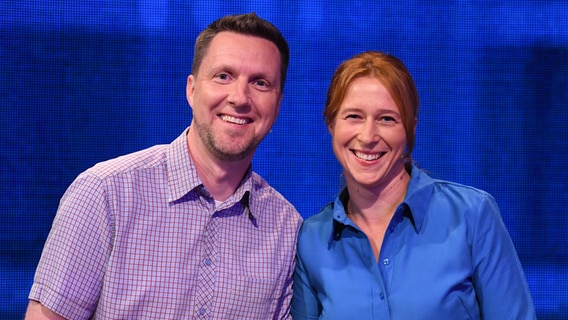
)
(305, 304)
(499, 278)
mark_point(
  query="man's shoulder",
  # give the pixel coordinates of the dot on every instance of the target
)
(146, 159)
(264, 194)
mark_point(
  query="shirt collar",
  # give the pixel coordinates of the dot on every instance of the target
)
(413, 207)
(418, 195)
(182, 176)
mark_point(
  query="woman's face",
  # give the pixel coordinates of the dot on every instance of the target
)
(368, 135)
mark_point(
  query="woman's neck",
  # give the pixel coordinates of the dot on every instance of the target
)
(372, 209)
(378, 203)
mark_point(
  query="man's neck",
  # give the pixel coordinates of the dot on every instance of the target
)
(221, 178)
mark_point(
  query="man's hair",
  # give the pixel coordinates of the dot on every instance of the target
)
(248, 24)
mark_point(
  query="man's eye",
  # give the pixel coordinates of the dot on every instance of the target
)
(222, 76)
(261, 83)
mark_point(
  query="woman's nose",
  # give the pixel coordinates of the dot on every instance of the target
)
(369, 131)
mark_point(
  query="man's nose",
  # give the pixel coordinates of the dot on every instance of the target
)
(240, 93)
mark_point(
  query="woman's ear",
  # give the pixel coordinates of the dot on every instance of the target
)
(415, 124)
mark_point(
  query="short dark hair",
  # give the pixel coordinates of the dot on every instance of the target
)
(249, 24)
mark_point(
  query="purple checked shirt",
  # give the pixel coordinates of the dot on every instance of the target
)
(139, 237)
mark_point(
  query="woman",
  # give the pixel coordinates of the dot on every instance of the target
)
(395, 243)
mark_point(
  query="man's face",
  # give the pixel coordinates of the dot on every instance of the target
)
(236, 95)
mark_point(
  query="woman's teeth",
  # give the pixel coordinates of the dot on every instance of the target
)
(366, 156)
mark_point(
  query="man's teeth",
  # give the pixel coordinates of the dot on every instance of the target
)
(233, 119)
(367, 157)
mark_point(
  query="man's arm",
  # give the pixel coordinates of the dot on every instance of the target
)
(36, 311)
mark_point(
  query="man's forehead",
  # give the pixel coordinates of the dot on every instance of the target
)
(229, 50)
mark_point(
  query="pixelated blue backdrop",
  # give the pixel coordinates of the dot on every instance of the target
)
(84, 81)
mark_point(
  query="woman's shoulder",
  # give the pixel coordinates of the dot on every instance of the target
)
(444, 188)
(461, 191)
(322, 217)
(318, 224)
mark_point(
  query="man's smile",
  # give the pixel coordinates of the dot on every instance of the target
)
(235, 120)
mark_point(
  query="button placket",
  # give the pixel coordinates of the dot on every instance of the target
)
(207, 270)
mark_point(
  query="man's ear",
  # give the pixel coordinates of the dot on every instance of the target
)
(279, 103)
(190, 89)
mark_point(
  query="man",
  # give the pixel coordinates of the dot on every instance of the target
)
(184, 230)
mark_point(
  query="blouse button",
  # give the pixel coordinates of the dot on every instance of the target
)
(386, 262)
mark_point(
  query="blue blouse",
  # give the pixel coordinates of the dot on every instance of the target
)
(446, 255)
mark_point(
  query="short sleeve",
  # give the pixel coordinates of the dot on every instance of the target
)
(304, 302)
(499, 278)
(69, 275)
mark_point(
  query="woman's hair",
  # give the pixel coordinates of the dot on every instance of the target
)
(392, 73)
(248, 24)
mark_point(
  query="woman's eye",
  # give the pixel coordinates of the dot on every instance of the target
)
(388, 120)
(352, 116)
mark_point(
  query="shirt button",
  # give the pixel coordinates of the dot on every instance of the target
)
(386, 262)
(202, 311)
(207, 262)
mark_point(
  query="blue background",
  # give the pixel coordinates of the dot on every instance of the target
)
(85, 81)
